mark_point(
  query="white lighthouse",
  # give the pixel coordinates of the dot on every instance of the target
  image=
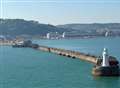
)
(105, 61)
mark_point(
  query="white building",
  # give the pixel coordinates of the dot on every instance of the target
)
(63, 35)
(105, 62)
(55, 35)
(48, 35)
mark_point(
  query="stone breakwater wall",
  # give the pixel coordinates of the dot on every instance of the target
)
(69, 53)
(6, 43)
(59, 51)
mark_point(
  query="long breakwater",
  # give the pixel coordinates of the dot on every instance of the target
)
(112, 69)
(98, 69)
(69, 53)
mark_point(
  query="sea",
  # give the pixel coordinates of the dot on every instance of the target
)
(29, 68)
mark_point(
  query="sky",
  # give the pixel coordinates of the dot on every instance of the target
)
(62, 11)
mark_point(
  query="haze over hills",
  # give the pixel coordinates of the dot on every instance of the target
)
(18, 27)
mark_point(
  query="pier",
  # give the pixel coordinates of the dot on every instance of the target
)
(6, 43)
(105, 66)
(69, 53)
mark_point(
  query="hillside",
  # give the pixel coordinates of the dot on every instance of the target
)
(18, 27)
(15, 27)
(92, 27)
(95, 28)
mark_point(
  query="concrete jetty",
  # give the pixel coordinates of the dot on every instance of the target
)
(69, 53)
(6, 43)
(105, 66)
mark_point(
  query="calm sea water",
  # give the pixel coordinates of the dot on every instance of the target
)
(28, 68)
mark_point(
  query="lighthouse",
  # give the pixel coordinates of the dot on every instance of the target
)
(107, 66)
(105, 62)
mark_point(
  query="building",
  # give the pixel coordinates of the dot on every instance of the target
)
(53, 35)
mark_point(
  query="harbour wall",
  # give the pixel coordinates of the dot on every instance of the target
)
(6, 43)
(69, 53)
(59, 51)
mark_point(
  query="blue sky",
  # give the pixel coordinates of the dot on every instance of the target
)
(63, 11)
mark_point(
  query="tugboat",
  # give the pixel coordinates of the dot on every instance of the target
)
(107, 66)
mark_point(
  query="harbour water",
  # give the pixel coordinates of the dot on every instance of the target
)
(29, 68)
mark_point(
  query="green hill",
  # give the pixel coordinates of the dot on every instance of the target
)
(18, 27)
(15, 27)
